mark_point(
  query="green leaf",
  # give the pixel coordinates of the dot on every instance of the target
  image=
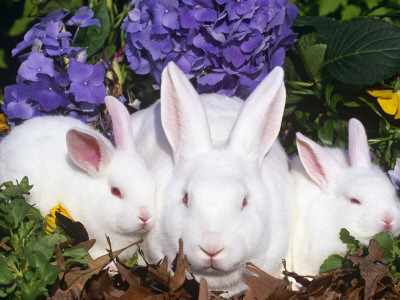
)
(351, 242)
(311, 54)
(110, 50)
(350, 12)
(364, 51)
(385, 240)
(325, 26)
(3, 60)
(47, 6)
(334, 261)
(329, 6)
(6, 276)
(133, 260)
(94, 37)
(325, 134)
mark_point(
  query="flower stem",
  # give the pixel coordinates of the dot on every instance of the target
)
(76, 33)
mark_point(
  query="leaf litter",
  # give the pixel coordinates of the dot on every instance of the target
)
(365, 278)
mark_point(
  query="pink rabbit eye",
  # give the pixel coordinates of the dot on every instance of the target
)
(116, 192)
(355, 201)
(185, 199)
(244, 203)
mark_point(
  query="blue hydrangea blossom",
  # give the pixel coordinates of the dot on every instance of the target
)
(225, 46)
(53, 77)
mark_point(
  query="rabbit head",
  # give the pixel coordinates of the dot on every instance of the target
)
(362, 195)
(216, 200)
(123, 185)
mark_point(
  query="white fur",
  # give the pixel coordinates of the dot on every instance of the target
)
(39, 149)
(212, 147)
(325, 182)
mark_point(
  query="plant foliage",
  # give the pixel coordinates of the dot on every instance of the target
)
(27, 254)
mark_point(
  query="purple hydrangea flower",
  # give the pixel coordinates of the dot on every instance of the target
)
(53, 77)
(36, 63)
(87, 82)
(226, 46)
(395, 175)
(16, 106)
(83, 18)
(47, 93)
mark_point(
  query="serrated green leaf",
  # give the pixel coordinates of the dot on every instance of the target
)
(364, 51)
(348, 239)
(385, 240)
(94, 37)
(334, 261)
(6, 276)
(311, 54)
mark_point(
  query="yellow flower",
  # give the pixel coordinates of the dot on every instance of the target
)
(389, 100)
(51, 218)
(3, 123)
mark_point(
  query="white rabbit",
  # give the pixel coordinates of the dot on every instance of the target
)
(110, 190)
(338, 189)
(216, 191)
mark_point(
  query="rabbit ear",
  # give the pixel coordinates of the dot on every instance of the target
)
(260, 118)
(122, 124)
(319, 164)
(88, 151)
(182, 115)
(358, 145)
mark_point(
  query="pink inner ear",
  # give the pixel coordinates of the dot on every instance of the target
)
(84, 150)
(92, 155)
(310, 162)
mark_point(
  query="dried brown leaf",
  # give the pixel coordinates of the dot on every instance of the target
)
(319, 285)
(355, 294)
(87, 245)
(180, 263)
(5, 247)
(76, 275)
(60, 261)
(161, 274)
(264, 285)
(372, 275)
(203, 292)
(113, 254)
(97, 285)
(73, 293)
(327, 295)
(135, 293)
(127, 276)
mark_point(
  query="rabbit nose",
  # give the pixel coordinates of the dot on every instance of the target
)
(211, 244)
(144, 219)
(388, 223)
(211, 252)
(144, 214)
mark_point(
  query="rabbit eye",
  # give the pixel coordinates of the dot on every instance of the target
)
(355, 201)
(116, 192)
(244, 203)
(185, 199)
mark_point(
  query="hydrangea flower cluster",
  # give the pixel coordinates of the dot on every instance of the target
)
(395, 175)
(53, 77)
(226, 46)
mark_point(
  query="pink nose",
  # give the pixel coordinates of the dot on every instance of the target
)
(144, 218)
(388, 223)
(211, 252)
